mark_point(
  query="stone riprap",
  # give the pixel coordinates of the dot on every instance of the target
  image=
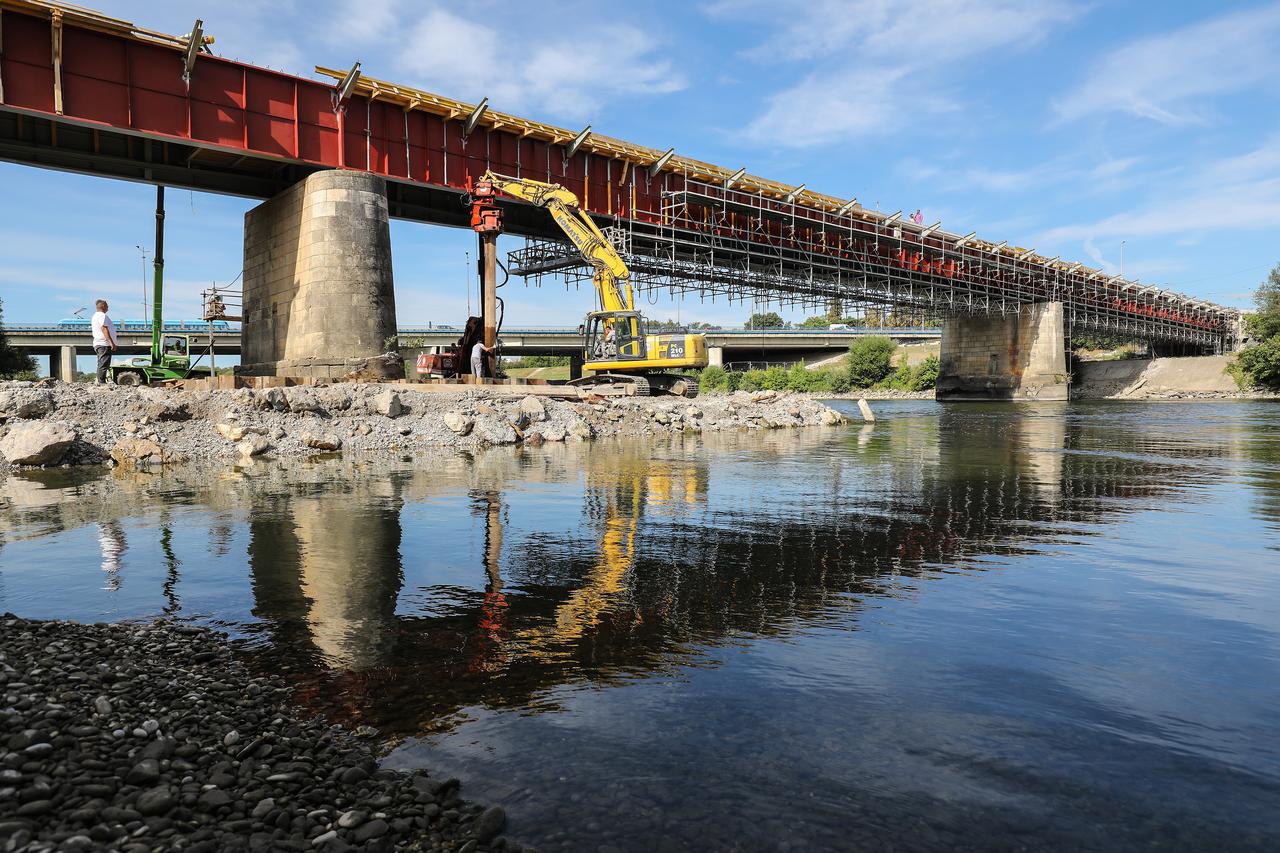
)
(154, 737)
(154, 426)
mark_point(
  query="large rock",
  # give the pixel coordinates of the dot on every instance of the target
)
(25, 403)
(386, 404)
(581, 430)
(253, 445)
(534, 408)
(37, 443)
(328, 441)
(492, 430)
(458, 422)
(275, 398)
(142, 453)
(231, 432)
(302, 399)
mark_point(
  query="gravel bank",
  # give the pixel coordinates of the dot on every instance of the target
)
(153, 737)
(148, 426)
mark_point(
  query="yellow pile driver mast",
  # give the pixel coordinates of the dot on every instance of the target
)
(615, 346)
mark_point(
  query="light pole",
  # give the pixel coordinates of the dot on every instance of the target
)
(1122, 259)
(144, 279)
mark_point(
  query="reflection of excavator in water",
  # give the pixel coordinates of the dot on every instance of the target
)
(616, 347)
(617, 499)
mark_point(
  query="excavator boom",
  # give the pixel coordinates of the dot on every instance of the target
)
(612, 278)
(615, 346)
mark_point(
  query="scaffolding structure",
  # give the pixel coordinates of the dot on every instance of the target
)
(720, 242)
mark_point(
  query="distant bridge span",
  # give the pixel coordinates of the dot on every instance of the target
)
(84, 92)
(727, 346)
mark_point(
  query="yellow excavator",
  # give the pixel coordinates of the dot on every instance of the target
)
(616, 348)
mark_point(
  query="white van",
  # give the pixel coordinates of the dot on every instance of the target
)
(838, 327)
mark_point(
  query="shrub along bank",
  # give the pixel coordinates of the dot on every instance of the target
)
(868, 365)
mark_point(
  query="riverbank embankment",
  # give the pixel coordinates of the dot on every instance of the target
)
(1183, 378)
(155, 737)
(59, 423)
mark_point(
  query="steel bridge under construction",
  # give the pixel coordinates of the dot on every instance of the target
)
(84, 92)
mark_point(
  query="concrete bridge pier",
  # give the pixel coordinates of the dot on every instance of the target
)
(66, 364)
(318, 292)
(1019, 356)
(715, 356)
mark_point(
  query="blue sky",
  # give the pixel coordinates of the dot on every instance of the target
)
(1064, 126)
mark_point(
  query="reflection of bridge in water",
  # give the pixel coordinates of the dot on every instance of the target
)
(670, 555)
(673, 550)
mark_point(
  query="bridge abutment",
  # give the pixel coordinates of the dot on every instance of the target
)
(1015, 357)
(318, 291)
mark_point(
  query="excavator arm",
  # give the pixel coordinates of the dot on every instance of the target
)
(612, 278)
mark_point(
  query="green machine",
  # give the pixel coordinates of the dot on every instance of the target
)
(171, 356)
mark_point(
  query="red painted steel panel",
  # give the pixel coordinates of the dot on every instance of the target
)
(270, 135)
(315, 105)
(94, 55)
(218, 125)
(419, 153)
(159, 70)
(27, 40)
(318, 144)
(28, 86)
(269, 94)
(503, 153)
(97, 100)
(28, 63)
(157, 112)
(218, 83)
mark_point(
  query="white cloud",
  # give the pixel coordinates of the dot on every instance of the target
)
(1071, 169)
(877, 65)
(1241, 192)
(570, 72)
(1167, 77)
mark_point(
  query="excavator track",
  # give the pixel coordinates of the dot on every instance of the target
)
(674, 384)
(615, 384)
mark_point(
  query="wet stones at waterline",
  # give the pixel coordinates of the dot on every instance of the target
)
(153, 737)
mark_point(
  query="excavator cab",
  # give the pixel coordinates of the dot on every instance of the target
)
(614, 336)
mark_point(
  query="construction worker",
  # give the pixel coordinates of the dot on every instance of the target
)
(104, 339)
(477, 358)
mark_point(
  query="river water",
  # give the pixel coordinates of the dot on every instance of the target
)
(987, 625)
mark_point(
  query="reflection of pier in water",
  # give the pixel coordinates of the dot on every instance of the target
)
(664, 558)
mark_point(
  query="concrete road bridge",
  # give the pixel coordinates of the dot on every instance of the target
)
(61, 345)
(335, 158)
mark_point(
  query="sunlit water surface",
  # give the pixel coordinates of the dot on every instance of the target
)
(963, 626)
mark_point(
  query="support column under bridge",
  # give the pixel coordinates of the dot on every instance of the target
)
(1019, 356)
(318, 293)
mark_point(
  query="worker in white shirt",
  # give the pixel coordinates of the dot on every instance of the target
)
(104, 339)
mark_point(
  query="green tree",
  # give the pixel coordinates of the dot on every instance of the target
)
(13, 362)
(870, 360)
(768, 320)
(1258, 366)
(1266, 323)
